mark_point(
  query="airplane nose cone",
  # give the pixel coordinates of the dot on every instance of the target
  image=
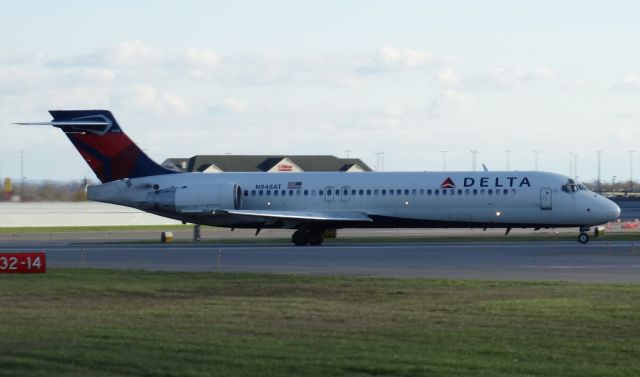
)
(613, 210)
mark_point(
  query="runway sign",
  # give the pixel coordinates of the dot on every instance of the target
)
(23, 263)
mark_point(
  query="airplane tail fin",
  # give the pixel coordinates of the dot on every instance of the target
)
(103, 145)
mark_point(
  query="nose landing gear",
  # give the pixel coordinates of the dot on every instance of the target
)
(583, 237)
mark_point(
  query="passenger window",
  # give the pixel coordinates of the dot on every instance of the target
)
(306, 192)
(444, 192)
(338, 192)
(437, 192)
(497, 191)
(253, 192)
(246, 192)
(429, 192)
(513, 191)
(406, 192)
(391, 192)
(298, 192)
(505, 191)
(421, 191)
(313, 192)
(353, 192)
(459, 191)
(283, 192)
(361, 192)
(398, 192)
(268, 192)
(375, 192)
(320, 192)
(482, 192)
(414, 192)
(475, 191)
(368, 192)
(290, 192)
(345, 192)
(467, 192)
(452, 191)
(384, 192)
(490, 191)
(275, 192)
(260, 192)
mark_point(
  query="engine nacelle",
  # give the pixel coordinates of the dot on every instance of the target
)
(196, 198)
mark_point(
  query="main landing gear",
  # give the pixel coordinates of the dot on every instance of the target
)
(302, 237)
(583, 237)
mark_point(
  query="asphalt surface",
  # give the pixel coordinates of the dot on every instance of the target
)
(598, 261)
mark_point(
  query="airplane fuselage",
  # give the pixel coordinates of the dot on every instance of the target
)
(400, 199)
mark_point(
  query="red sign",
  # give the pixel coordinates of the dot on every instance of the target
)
(23, 263)
(285, 167)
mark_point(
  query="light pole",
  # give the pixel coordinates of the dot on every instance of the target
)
(380, 161)
(21, 176)
(599, 154)
(613, 184)
(473, 160)
(444, 160)
(575, 166)
(630, 171)
(347, 152)
(570, 164)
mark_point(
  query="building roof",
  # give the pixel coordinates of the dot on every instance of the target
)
(257, 163)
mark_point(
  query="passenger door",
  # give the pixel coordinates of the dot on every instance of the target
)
(545, 199)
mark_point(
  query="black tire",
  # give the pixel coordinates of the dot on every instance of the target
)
(583, 238)
(315, 237)
(299, 238)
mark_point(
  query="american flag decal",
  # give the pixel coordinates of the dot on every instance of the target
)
(294, 186)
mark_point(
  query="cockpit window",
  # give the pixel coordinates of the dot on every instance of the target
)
(572, 186)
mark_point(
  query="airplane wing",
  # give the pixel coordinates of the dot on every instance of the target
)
(312, 216)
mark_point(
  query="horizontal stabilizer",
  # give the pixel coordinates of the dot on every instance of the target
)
(74, 125)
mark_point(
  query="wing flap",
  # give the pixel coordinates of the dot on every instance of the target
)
(348, 216)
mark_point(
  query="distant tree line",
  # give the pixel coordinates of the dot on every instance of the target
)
(47, 191)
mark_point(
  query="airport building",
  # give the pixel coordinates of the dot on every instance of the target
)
(265, 163)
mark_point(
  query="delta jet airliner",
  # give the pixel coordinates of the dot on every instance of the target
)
(312, 203)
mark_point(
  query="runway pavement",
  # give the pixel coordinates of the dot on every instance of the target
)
(598, 261)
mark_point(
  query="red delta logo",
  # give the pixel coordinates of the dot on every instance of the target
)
(448, 183)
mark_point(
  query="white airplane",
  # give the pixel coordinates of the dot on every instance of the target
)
(313, 203)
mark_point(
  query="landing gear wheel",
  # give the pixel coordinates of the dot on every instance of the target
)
(315, 237)
(583, 238)
(299, 237)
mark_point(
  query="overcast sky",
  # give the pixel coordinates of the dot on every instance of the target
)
(408, 78)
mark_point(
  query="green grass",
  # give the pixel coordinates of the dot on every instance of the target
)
(129, 323)
(62, 229)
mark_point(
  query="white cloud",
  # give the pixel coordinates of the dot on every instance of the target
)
(409, 58)
(130, 53)
(450, 102)
(630, 83)
(448, 77)
(393, 110)
(148, 97)
(507, 77)
(200, 63)
(229, 106)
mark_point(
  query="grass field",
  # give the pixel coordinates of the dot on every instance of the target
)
(129, 323)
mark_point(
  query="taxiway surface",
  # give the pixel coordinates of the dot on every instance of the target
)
(598, 261)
